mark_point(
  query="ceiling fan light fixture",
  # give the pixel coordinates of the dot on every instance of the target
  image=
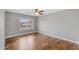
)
(37, 14)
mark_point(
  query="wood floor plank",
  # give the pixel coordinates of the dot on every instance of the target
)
(37, 41)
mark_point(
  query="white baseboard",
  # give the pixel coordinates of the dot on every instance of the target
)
(45, 34)
(18, 35)
(60, 37)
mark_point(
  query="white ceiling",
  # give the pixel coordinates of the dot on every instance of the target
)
(31, 11)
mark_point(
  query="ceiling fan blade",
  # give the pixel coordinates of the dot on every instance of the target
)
(41, 11)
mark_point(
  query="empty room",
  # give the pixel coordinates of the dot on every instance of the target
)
(39, 29)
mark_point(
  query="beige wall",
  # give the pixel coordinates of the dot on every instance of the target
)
(63, 24)
(2, 27)
(12, 24)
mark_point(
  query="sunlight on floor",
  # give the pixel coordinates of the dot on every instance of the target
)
(26, 42)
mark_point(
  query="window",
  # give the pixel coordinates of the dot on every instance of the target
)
(25, 24)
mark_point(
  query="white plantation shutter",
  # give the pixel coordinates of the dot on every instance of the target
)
(26, 24)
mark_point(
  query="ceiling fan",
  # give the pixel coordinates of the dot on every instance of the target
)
(37, 12)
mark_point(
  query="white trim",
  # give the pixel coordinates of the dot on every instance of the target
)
(59, 37)
(45, 34)
(18, 35)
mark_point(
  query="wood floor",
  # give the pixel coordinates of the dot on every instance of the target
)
(37, 41)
